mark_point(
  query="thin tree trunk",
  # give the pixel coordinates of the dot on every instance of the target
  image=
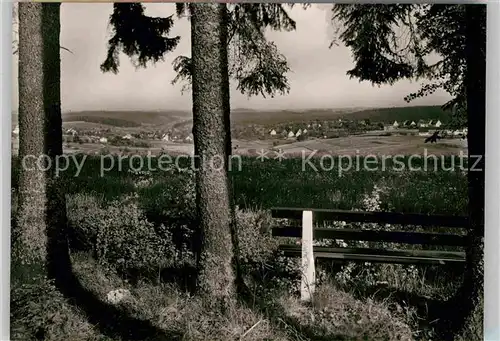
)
(468, 305)
(211, 107)
(40, 244)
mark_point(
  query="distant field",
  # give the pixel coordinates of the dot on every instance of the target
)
(351, 145)
(155, 119)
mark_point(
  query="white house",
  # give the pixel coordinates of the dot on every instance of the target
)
(71, 131)
(422, 124)
(166, 137)
(189, 138)
(395, 124)
(424, 133)
(291, 134)
(438, 124)
(273, 132)
(305, 131)
(413, 124)
(16, 130)
(298, 133)
(103, 140)
(127, 137)
(459, 132)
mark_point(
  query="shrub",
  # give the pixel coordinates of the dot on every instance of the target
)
(256, 245)
(119, 235)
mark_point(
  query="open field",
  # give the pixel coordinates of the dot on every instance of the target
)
(351, 145)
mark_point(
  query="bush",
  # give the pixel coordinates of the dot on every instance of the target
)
(119, 235)
(256, 244)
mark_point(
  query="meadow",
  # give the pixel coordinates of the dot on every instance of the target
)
(132, 227)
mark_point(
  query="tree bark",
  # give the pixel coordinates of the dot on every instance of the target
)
(210, 88)
(40, 245)
(468, 305)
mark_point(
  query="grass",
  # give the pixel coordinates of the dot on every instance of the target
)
(255, 185)
(353, 302)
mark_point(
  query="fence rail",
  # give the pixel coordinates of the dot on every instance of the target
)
(308, 234)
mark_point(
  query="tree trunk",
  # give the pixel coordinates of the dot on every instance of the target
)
(469, 304)
(40, 245)
(210, 86)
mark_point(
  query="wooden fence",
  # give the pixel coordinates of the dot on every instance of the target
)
(308, 233)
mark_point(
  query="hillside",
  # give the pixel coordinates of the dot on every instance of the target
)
(400, 114)
(128, 118)
(241, 116)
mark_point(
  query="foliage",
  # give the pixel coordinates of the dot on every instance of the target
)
(255, 62)
(425, 31)
(138, 36)
(256, 243)
(118, 234)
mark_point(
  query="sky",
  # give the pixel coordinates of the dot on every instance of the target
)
(318, 74)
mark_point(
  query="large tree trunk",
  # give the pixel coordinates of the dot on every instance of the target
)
(40, 244)
(469, 301)
(210, 86)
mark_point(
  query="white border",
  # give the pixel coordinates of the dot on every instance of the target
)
(5, 166)
(492, 178)
(492, 174)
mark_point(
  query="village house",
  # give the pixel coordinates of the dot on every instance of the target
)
(16, 130)
(166, 137)
(291, 134)
(438, 124)
(273, 132)
(127, 137)
(298, 133)
(103, 140)
(422, 124)
(305, 131)
(395, 125)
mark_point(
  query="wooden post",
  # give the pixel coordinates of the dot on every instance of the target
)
(308, 272)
